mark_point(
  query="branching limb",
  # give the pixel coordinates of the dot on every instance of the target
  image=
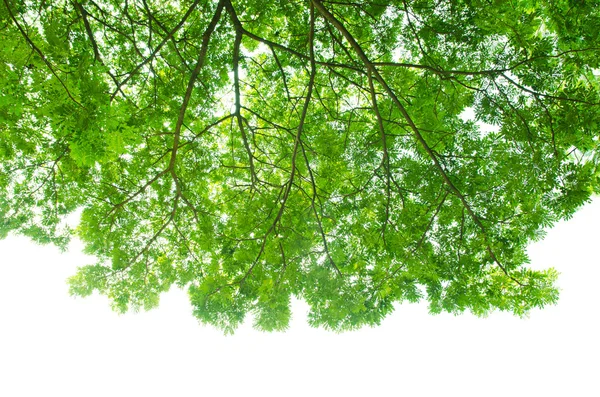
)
(370, 67)
(190, 87)
(385, 160)
(313, 199)
(163, 42)
(297, 142)
(40, 53)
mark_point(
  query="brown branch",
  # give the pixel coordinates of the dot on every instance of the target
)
(239, 31)
(535, 93)
(437, 211)
(419, 243)
(312, 177)
(90, 34)
(190, 87)
(284, 79)
(314, 208)
(155, 236)
(288, 186)
(298, 54)
(238, 114)
(441, 71)
(371, 67)
(138, 192)
(151, 18)
(206, 129)
(162, 43)
(385, 160)
(88, 29)
(40, 53)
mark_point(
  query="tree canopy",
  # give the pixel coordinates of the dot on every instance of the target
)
(351, 154)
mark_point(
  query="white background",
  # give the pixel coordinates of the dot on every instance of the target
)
(54, 345)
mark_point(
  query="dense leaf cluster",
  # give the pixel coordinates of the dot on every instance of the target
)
(352, 154)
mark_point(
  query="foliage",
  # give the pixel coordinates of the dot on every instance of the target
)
(352, 154)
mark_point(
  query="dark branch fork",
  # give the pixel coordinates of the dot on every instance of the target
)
(297, 144)
(162, 43)
(236, 82)
(385, 160)
(286, 189)
(417, 133)
(40, 53)
(171, 168)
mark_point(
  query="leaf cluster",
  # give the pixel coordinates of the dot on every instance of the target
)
(351, 154)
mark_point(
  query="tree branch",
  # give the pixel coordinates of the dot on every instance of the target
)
(361, 54)
(39, 52)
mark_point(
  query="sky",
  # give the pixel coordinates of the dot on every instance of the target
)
(55, 345)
